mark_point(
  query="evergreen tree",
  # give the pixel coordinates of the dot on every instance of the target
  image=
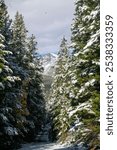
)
(61, 103)
(19, 90)
(36, 102)
(6, 23)
(85, 88)
(20, 83)
(19, 42)
(28, 68)
(4, 35)
(32, 47)
(8, 133)
(78, 86)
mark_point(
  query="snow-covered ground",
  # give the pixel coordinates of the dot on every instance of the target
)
(45, 146)
(51, 146)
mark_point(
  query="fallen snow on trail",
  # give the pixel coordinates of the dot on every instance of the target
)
(52, 146)
(43, 146)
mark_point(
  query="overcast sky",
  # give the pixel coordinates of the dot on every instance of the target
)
(48, 20)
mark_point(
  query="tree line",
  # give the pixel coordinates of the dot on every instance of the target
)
(22, 104)
(75, 93)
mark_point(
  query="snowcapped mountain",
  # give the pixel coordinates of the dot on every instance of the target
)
(48, 61)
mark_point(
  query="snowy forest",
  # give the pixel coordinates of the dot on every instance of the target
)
(67, 105)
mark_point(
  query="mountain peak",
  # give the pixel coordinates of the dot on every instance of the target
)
(49, 61)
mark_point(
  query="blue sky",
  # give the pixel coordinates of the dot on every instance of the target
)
(48, 20)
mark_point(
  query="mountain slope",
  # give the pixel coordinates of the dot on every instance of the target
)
(48, 62)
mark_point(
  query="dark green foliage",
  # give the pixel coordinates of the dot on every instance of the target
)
(80, 82)
(35, 99)
(85, 42)
(19, 38)
(22, 103)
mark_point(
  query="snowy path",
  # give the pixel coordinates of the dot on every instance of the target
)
(45, 146)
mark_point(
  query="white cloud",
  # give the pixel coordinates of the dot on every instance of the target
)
(49, 20)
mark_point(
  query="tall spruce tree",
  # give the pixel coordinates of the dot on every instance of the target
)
(19, 41)
(6, 23)
(61, 103)
(8, 132)
(21, 97)
(29, 70)
(85, 44)
(36, 102)
(17, 61)
(80, 83)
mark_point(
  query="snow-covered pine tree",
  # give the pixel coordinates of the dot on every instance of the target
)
(19, 42)
(85, 72)
(8, 133)
(5, 33)
(5, 29)
(59, 99)
(17, 61)
(19, 76)
(32, 47)
(8, 130)
(35, 99)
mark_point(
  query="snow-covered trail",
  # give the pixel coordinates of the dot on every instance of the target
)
(45, 146)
